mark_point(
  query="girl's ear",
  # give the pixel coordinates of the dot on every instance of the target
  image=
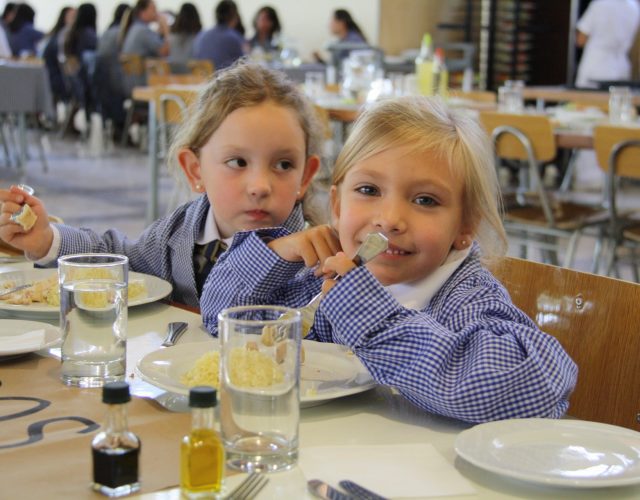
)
(310, 169)
(190, 165)
(464, 239)
(334, 202)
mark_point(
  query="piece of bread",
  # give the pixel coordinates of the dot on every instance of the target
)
(25, 217)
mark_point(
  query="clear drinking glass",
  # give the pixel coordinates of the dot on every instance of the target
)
(260, 386)
(621, 109)
(314, 84)
(510, 98)
(93, 318)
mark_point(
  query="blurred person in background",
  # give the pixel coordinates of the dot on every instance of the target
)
(8, 14)
(23, 37)
(606, 30)
(138, 38)
(267, 29)
(183, 33)
(52, 54)
(346, 30)
(108, 78)
(80, 44)
(222, 44)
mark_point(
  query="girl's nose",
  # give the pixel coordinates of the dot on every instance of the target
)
(390, 218)
(259, 184)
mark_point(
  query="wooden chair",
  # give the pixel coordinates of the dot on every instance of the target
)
(485, 96)
(533, 215)
(596, 320)
(618, 154)
(132, 64)
(172, 108)
(170, 79)
(201, 67)
(156, 67)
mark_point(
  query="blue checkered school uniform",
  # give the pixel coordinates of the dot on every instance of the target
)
(165, 249)
(469, 354)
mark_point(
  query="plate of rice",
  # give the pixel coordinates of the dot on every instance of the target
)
(328, 371)
(43, 297)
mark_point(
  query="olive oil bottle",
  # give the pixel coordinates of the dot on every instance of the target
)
(201, 451)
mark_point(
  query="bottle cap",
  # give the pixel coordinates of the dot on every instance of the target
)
(116, 393)
(202, 396)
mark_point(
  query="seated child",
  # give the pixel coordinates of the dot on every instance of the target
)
(249, 146)
(425, 316)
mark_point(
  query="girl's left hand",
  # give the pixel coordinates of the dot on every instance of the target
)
(339, 265)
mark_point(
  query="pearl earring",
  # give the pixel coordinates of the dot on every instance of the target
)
(463, 243)
(198, 187)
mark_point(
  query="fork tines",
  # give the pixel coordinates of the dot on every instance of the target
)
(249, 487)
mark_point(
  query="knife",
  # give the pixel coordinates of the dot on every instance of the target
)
(15, 289)
(323, 490)
(360, 492)
(174, 331)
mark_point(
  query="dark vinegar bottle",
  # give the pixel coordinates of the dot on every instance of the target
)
(116, 450)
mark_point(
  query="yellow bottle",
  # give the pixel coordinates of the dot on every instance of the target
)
(202, 451)
(424, 67)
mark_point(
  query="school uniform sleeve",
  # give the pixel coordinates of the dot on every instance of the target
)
(471, 354)
(269, 280)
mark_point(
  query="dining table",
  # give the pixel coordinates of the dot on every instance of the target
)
(25, 91)
(46, 430)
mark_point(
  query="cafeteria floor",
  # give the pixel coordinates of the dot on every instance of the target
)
(111, 190)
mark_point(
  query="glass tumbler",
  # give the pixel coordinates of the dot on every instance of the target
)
(260, 386)
(93, 318)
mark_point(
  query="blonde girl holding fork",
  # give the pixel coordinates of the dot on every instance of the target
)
(424, 317)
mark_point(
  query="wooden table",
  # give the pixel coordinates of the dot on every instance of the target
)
(554, 94)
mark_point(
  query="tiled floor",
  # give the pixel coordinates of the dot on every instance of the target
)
(111, 190)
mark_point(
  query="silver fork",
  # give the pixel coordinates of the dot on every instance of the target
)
(249, 487)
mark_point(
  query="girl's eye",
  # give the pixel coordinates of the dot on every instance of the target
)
(284, 165)
(426, 201)
(236, 163)
(367, 190)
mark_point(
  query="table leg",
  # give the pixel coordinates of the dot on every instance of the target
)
(152, 207)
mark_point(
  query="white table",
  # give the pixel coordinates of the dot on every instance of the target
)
(375, 417)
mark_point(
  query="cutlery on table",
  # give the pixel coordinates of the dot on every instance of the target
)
(174, 331)
(320, 489)
(360, 492)
(15, 289)
(249, 487)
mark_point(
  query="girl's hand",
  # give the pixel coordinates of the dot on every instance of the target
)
(312, 246)
(35, 242)
(338, 265)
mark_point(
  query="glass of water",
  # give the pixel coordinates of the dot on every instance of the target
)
(260, 386)
(93, 318)
(621, 109)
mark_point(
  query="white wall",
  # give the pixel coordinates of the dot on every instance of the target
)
(305, 21)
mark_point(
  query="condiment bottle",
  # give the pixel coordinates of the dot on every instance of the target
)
(201, 451)
(116, 449)
(424, 66)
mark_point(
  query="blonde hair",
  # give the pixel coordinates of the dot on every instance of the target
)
(427, 124)
(243, 85)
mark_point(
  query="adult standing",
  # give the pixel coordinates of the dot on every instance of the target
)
(23, 37)
(222, 44)
(185, 28)
(606, 30)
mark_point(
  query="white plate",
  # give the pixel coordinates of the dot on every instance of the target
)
(156, 289)
(13, 328)
(329, 371)
(571, 453)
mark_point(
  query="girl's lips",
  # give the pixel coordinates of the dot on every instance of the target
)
(257, 214)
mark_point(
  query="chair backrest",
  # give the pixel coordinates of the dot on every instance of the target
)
(172, 103)
(627, 161)
(536, 128)
(132, 64)
(475, 95)
(597, 321)
(185, 79)
(201, 67)
(157, 67)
